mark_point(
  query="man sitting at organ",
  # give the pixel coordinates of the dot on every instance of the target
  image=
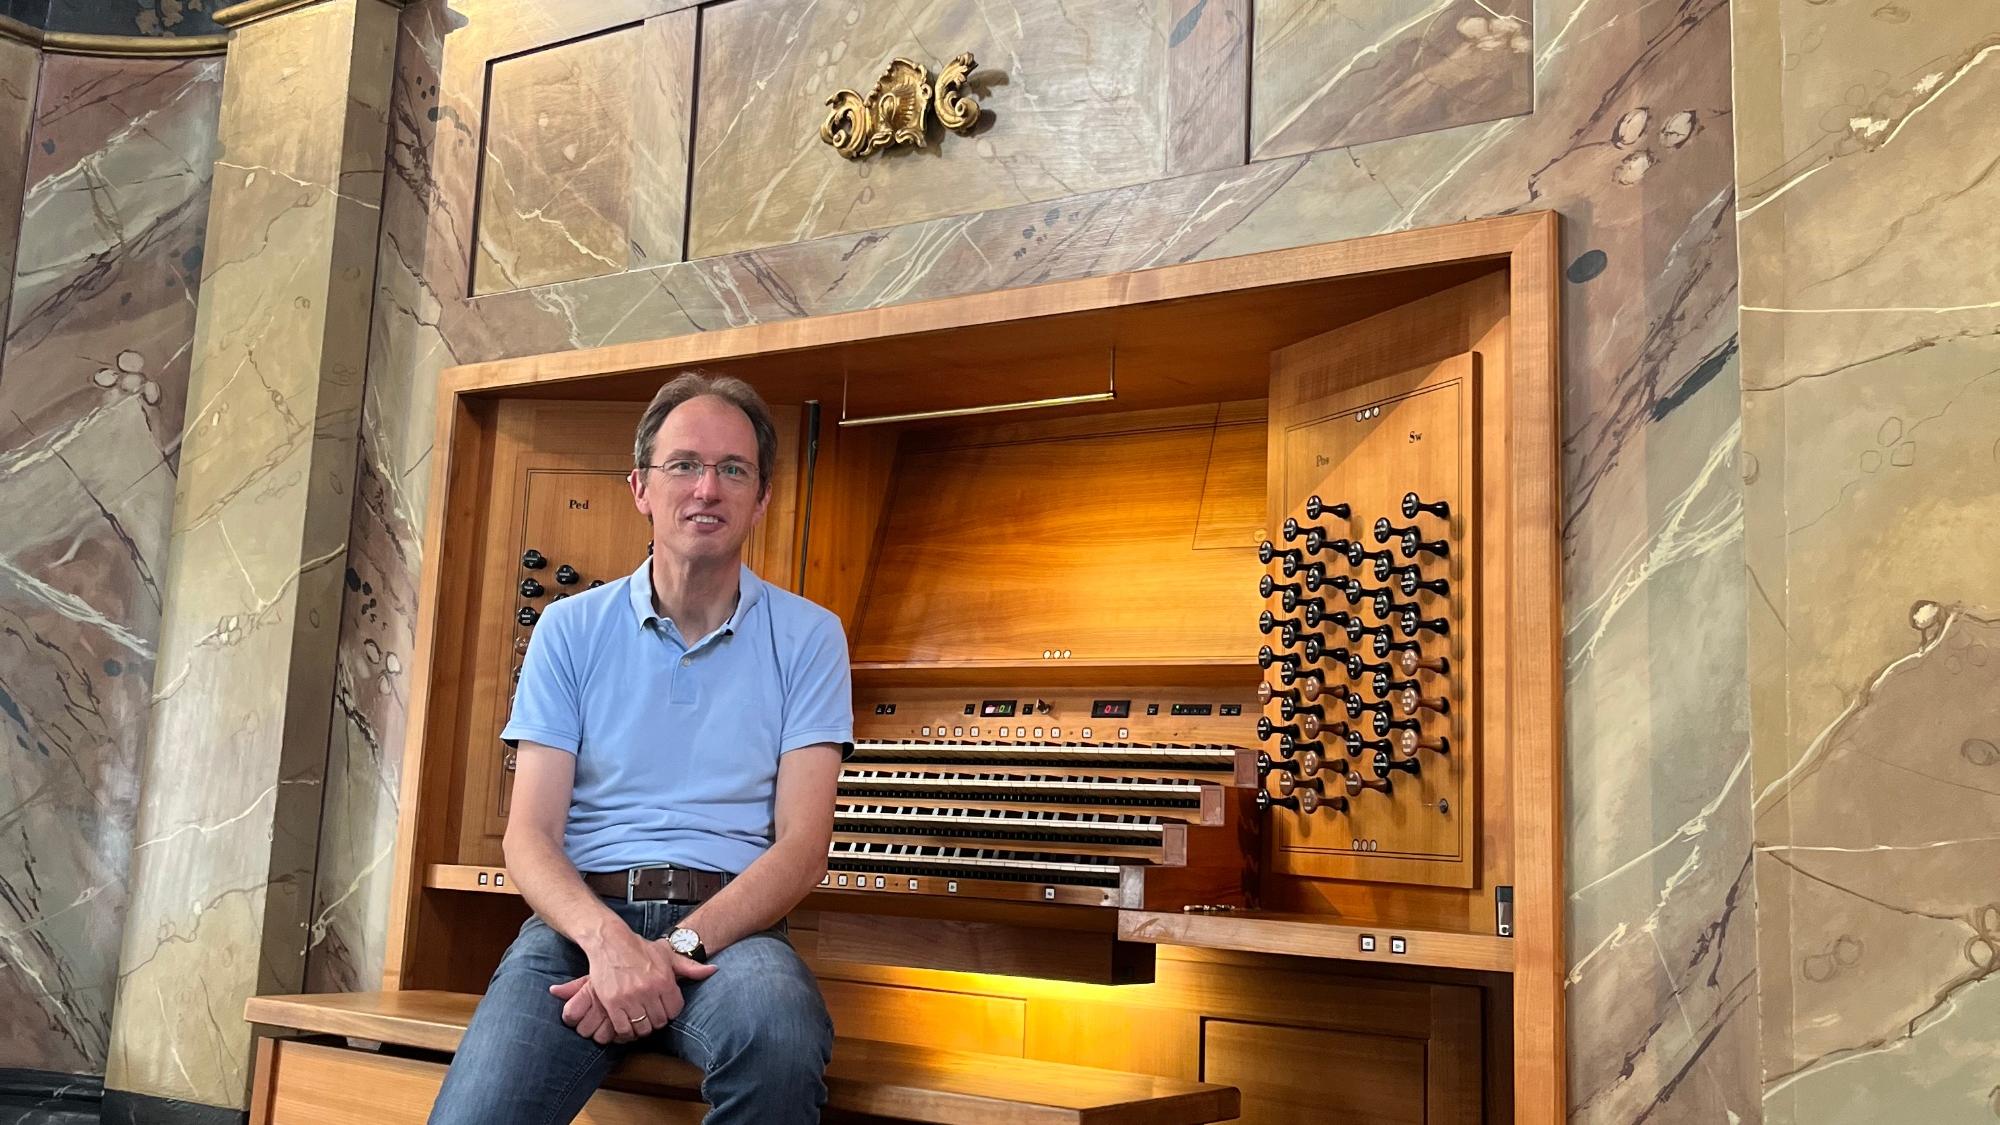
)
(679, 734)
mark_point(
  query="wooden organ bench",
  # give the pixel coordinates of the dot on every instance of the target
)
(301, 1080)
(1204, 626)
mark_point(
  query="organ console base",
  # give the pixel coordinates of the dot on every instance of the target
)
(1207, 726)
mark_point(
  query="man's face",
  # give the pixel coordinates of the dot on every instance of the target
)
(707, 516)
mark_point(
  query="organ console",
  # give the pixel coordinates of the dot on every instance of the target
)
(1253, 653)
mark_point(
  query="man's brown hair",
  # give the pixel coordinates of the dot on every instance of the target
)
(736, 392)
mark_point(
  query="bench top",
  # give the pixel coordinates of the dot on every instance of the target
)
(865, 1076)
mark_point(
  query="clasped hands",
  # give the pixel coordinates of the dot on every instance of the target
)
(632, 990)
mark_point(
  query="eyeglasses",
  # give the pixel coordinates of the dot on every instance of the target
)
(688, 471)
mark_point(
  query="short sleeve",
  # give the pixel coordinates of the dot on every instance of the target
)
(819, 702)
(547, 700)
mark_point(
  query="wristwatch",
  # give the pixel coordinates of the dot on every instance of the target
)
(687, 943)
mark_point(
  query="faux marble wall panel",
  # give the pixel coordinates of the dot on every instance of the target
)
(1338, 72)
(242, 695)
(93, 384)
(1076, 90)
(585, 170)
(20, 64)
(1630, 141)
(1871, 345)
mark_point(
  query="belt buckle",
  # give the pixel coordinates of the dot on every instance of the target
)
(631, 884)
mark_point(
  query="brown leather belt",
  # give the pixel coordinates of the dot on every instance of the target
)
(656, 884)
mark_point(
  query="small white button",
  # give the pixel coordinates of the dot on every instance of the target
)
(1049, 893)
(880, 883)
(958, 732)
(843, 881)
(1367, 943)
(952, 887)
(974, 732)
(1086, 732)
(1020, 732)
(927, 732)
(913, 884)
(1038, 732)
(1398, 945)
(1055, 732)
(1123, 734)
(686, 660)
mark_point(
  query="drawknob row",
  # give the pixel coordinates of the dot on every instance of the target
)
(1312, 767)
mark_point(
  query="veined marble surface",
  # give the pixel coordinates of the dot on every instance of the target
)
(585, 170)
(1341, 72)
(1630, 139)
(1871, 339)
(224, 874)
(1073, 95)
(20, 65)
(93, 382)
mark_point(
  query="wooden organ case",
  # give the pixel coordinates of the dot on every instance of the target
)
(1204, 636)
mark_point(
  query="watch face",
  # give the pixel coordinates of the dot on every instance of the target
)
(683, 941)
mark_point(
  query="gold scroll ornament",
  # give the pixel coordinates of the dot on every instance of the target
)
(894, 114)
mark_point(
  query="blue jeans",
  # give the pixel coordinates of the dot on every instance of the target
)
(758, 1029)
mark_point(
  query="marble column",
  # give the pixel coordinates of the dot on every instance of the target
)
(1869, 165)
(221, 877)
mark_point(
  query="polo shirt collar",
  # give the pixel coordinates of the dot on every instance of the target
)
(639, 591)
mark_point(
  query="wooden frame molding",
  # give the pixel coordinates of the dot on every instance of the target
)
(1527, 246)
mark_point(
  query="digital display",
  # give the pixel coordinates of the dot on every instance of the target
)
(1111, 709)
(996, 709)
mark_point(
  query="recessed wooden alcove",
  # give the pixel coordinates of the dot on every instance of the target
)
(1188, 354)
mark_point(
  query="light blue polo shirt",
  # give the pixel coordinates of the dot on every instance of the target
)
(677, 745)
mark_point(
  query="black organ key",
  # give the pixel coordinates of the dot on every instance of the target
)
(1384, 764)
(1383, 646)
(1266, 728)
(1315, 508)
(1266, 551)
(1385, 531)
(530, 588)
(1383, 724)
(1412, 504)
(1391, 573)
(1313, 610)
(1356, 706)
(1356, 555)
(1382, 685)
(1411, 584)
(1268, 621)
(1266, 764)
(1357, 746)
(1414, 545)
(533, 559)
(1267, 585)
(1412, 625)
(1289, 710)
(566, 575)
(527, 616)
(1266, 802)
(1356, 630)
(1267, 657)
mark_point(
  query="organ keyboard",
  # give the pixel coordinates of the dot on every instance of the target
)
(1012, 817)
